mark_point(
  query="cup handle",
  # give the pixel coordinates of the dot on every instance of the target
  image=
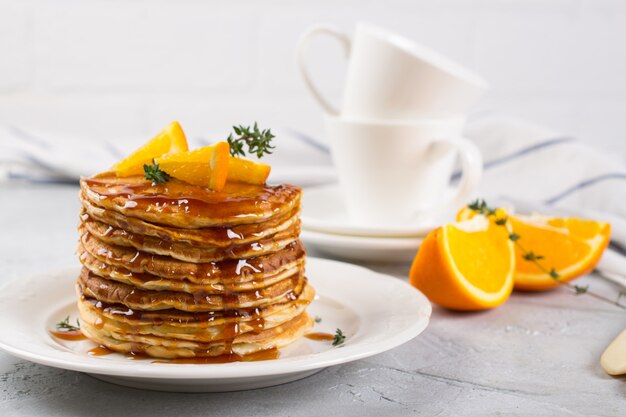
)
(471, 170)
(301, 51)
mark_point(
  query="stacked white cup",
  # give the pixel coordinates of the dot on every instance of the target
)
(396, 137)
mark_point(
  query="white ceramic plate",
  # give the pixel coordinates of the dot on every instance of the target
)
(351, 298)
(323, 210)
(359, 248)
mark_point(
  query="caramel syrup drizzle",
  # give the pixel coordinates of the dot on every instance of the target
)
(72, 335)
(195, 201)
(232, 327)
(263, 355)
(319, 336)
(228, 267)
(99, 351)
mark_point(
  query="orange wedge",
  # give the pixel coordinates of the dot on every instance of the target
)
(571, 246)
(219, 166)
(245, 170)
(467, 265)
(207, 166)
(170, 141)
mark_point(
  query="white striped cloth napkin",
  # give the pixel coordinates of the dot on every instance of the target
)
(528, 162)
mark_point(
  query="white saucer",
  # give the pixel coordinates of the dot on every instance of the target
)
(359, 248)
(351, 298)
(323, 210)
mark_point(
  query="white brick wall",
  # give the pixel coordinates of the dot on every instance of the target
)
(98, 68)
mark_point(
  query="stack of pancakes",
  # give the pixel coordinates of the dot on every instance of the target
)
(179, 271)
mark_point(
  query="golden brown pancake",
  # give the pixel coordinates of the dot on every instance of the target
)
(215, 236)
(179, 318)
(174, 325)
(109, 291)
(156, 283)
(210, 273)
(185, 251)
(178, 204)
(245, 344)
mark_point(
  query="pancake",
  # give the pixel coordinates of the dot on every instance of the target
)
(153, 282)
(185, 251)
(246, 344)
(170, 324)
(109, 291)
(211, 273)
(180, 271)
(214, 236)
(180, 205)
(179, 318)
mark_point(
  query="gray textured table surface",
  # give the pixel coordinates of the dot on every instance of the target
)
(538, 355)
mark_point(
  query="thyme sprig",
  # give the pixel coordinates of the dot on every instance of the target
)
(339, 338)
(65, 325)
(258, 141)
(481, 207)
(155, 174)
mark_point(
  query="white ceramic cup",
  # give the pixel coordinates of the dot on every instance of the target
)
(395, 173)
(390, 77)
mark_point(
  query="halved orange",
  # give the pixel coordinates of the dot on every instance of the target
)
(467, 265)
(571, 246)
(169, 141)
(206, 166)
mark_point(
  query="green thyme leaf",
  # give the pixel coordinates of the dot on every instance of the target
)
(514, 237)
(581, 289)
(339, 338)
(256, 140)
(155, 174)
(66, 326)
(532, 256)
(480, 206)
